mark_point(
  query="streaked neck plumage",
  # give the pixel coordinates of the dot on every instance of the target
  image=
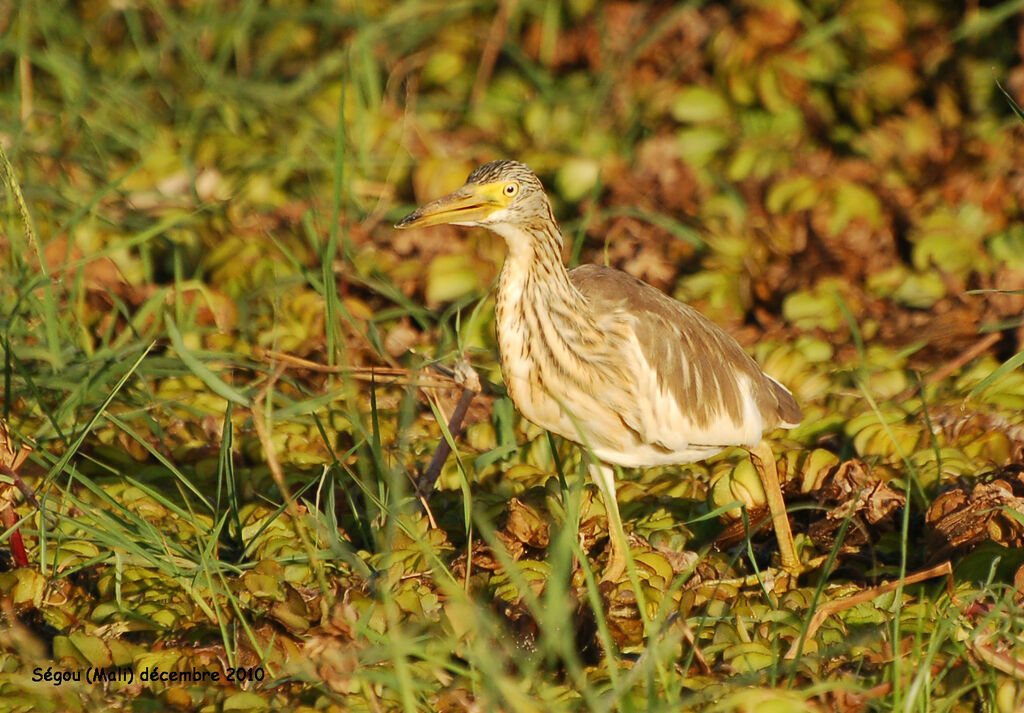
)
(545, 324)
(534, 271)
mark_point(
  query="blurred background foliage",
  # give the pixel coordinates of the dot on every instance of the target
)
(207, 184)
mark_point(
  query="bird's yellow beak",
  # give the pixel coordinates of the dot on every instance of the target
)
(469, 204)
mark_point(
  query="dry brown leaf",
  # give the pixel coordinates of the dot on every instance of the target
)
(961, 521)
(524, 524)
(853, 491)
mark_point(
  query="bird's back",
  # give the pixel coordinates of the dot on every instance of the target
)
(694, 388)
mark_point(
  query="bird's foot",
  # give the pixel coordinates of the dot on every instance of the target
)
(774, 579)
(615, 567)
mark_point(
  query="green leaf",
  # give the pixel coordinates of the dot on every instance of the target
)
(203, 372)
(1005, 368)
(697, 105)
(245, 701)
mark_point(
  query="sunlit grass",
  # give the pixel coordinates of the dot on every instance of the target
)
(223, 178)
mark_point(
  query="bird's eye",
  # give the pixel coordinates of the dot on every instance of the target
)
(511, 189)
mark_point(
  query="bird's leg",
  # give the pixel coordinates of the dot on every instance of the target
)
(604, 477)
(764, 463)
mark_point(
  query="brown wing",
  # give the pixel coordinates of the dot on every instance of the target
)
(696, 361)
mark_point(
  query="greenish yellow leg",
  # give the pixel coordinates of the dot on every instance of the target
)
(763, 459)
(604, 477)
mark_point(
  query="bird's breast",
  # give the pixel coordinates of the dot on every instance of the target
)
(562, 370)
(526, 375)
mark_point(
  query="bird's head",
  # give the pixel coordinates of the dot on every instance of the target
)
(497, 194)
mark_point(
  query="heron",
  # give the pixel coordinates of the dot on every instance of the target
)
(607, 361)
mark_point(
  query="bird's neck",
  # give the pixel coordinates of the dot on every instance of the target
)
(534, 271)
(542, 319)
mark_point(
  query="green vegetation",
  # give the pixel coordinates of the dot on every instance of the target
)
(199, 195)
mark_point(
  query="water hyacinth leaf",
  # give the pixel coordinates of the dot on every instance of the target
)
(994, 447)
(750, 656)
(71, 553)
(815, 350)
(920, 290)
(88, 648)
(699, 144)
(737, 488)
(850, 201)
(793, 195)
(741, 87)
(24, 586)
(451, 277)
(869, 418)
(699, 105)
(1014, 362)
(769, 90)
(946, 463)
(815, 468)
(744, 161)
(264, 584)
(443, 66)
(1008, 247)
(890, 84)
(245, 701)
(888, 383)
(812, 309)
(577, 178)
(963, 227)
(655, 564)
(878, 23)
(958, 258)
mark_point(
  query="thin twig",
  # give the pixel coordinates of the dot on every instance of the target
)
(759, 579)
(698, 655)
(495, 38)
(1001, 660)
(827, 610)
(377, 374)
(425, 484)
(470, 382)
(967, 355)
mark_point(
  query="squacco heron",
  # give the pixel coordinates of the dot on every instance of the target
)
(609, 362)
